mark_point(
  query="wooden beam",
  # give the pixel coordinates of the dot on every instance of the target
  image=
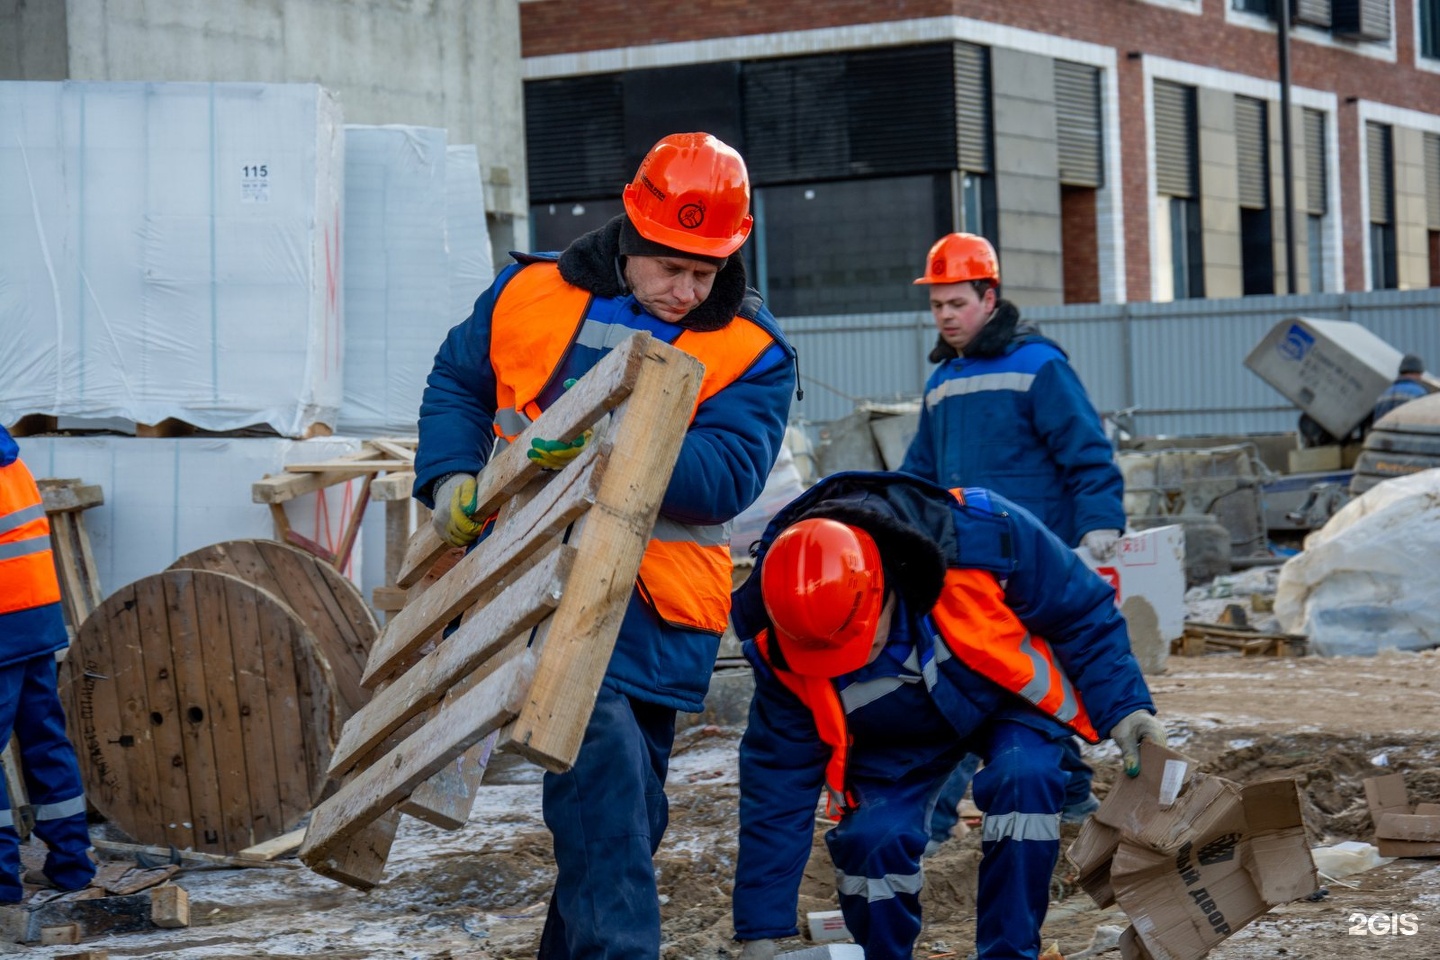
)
(61, 496)
(370, 466)
(276, 847)
(488, 706)
(393, 487)
(645, 439)
(608, 382)
(118, 849)
(287, 486)
(523, 605)
(563, 500)
(445, 800)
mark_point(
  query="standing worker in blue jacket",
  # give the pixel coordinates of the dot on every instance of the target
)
(1004, 410)
(1409, 385)
(669, 265)
(895, 627)
(32, 629)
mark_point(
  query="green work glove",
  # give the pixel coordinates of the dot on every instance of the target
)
(454, 518)
(554, 454)
(1132, 728)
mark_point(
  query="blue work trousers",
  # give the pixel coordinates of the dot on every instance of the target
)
(608, 814)
(947, 805)
(877, 848)
(30, 707)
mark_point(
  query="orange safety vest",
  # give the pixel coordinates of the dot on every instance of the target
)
(685, 573)
(27, 569)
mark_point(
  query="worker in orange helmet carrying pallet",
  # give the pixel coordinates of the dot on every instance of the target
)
(895, 626)
(669, 265)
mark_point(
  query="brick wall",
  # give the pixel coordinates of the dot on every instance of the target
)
(553, 27)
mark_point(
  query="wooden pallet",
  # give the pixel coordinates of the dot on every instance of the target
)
(1201, 638)
(542, 599)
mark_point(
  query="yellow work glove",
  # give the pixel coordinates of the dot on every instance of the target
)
(454, 518)
(554, 454)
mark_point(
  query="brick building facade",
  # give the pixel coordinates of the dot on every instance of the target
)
(1115, 149)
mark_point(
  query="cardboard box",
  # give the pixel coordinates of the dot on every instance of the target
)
(1148, 576)
(172, 250)
(1192, 858)
(1398, 831)
(1333, 370)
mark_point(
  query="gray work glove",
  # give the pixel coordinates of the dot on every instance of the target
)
(1100, 543)
(757, 950)
(1127, 734)
(455, 505)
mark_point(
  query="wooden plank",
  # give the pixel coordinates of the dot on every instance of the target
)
(523, 605)
(359, 861)
(169, 907)
(370, 466)
(605, 385)
(405, 453)
(262, 765)
(195, 713)
(277, 847)
(644, 440)
(15, 790)
(94, 917)
(136, 879)
(287, 486)
(394, 486)
(562, 501)
(488, 706)
(116, 848)
(445, 800)
(221, 726)
(62, 495)
(168, 795)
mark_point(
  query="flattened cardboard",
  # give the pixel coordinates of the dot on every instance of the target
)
(1408, 826)
(1407, 848)
(1386, 795)
(1192, 858)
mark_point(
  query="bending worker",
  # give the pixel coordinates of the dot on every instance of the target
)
(668, 265)
(1004, 410)
(32, 629)
(894, 627)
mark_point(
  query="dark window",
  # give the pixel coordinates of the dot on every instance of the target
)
(1429, 14)
(1187, 263)
(1252, 167)
(847, 246)
(1379, 159)
(1253, 6)
(1361, 19)
(1315, 251)
(575, 138)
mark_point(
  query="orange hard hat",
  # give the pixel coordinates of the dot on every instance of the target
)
(692, 193)
(957, 257)
(823, 588)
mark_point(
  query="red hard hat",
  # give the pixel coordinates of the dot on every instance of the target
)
(692, 193)
(823, 588)
(958, 257)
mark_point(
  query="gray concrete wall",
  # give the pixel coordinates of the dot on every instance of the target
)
(440, 63)
(1027, 178)
(32, 40)
(1412, 240)
(1219, 193)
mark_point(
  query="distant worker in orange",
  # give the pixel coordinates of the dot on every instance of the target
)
(1005, 410)
(669, 265)
(32, 629)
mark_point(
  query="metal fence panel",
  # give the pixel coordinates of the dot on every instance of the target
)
(1177, 369)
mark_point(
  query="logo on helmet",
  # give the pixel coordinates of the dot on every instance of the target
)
(691, 215)
(937, 266)
(650, 185)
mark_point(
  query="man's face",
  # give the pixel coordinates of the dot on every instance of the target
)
(882, 628)
(959, 314)
(669, 287)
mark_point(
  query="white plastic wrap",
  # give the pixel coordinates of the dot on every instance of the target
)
(171, 250)
(1368, 580)
(472, 264)
(397, 277)
(165, 498)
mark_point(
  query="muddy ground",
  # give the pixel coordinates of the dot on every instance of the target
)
(480, 892)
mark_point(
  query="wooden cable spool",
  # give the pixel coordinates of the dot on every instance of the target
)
(329, 604)
(203, 709)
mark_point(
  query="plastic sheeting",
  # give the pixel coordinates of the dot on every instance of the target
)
(1368, 579)
(171, 250)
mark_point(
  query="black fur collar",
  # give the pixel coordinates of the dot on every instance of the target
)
(593, 262)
